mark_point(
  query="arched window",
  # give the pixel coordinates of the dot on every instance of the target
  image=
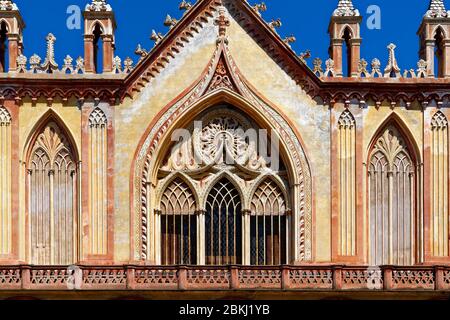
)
(52, 190)
(98, 48)
(347, 53)
(268, 226)
(391, 201)
(178, 225)
(3, 47)
(223, 225)
(439, 53)
(221, 162)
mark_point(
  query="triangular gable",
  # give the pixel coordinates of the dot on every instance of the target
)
(194, 20)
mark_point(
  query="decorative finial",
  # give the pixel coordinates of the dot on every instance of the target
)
(223, 23)
(345, 9)
(275, 24)
(170, 22)
(98, 5)
(317, 64)
(8, 5)
(185, 5)
(392, 67)
(141, 52)
(305, 55)
(128, 65)
(261, 7)
(289, 40)
(50, 64)
(437, 10)
(156, 36)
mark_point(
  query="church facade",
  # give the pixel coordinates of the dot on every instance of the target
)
(220, 162)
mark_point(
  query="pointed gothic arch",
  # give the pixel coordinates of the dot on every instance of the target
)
(439, 184)
(52, 194)
(269, 224)
(5, 181)
(230, 88)
(394, 214)
(49, 116)
(150, 172)
(223, 224)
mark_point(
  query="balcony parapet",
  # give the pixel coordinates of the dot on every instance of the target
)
(222, 278)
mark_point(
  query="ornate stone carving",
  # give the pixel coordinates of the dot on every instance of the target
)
(97, 118)
(68, 65)
(21, 64)
(376, 68)
(185, 5)
(128, 65)
(289, 40)
(422, 67)
(146, 160)
(142, 53)
(362, 68)
(170, 22)
(50, 65)
(35, 62)
(437, 10)
(329, 72)
(98, 5)
(156, 37)
(392, 70)
(275, 24)
(260, 7)
(5, 117)
(8, 5)
(318, 71)
(345, 9)
(221, 79)
(117, 65)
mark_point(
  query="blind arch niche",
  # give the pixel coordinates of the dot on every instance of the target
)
(52, 195)
(392, 190)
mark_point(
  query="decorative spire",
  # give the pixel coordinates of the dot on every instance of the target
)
(98, 5)
(392, 68)
(50, 64)
(437, 10)
(223, 23)
(7, 5)
(345, 9)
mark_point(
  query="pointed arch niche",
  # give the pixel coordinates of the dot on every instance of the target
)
(439, 183)
(393, 189)
(227, 106)
(97, 182)
(52, 189)
(5, 182)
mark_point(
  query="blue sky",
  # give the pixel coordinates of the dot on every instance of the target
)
(306, 19)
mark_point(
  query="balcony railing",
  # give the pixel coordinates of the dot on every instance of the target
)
(306, 278)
